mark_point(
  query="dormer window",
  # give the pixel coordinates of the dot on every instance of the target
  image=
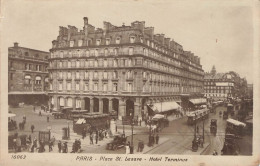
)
(71, 43)
(80, 43)
(107, 41)
(118, 40)
(98, 41)
(132, 39)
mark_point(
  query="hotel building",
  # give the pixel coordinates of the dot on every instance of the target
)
(121, 68)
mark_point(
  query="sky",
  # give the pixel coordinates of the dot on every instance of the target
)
(219, 32)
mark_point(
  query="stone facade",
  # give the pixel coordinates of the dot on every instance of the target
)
(221, 86)
(119, 68)
(27, 73)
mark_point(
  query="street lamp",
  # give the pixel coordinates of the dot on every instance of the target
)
(132, 139)
(194, 142)
(49, 128)
(203, 132)
(68, 130)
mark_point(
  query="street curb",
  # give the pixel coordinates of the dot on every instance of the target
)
(157, 146)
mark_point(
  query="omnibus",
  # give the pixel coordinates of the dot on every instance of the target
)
(235, 127)
(90, 121)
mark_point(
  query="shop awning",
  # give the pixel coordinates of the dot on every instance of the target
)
(198, 101)
(164, 106)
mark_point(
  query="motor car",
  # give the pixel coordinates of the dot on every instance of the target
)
(119, 141)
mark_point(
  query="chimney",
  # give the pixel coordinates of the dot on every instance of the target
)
(16, 44)
(85, 20)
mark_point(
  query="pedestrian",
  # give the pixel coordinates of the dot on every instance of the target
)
(127, 149)
(24, 118)
(59, 146)
(139, 146)
(197, 129)
(142, 146)
(140, 122)
(34, 144)
(14, 145)
(48, 118)
(91, 138)
(34, 108)
(96, 138)
(215, 153)
(53, 140)
(40, 113)
(32, 128)
(50, 146)
(157, 139)
(152, 139)
(65, 147)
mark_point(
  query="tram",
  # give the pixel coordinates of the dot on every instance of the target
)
(197, 115)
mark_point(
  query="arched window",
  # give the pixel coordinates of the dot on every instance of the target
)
(87, 53)
(61, 101)
(86, 75)
(78, 103)
(27, 79)
(95, 74)
(77, 63)
(105, 75)
(96, 63)
(69, 102)
(115, 75)
(131, 51)
(77, 75)
(69, 64)
(106, 51)
(129, 74)
(105, 63)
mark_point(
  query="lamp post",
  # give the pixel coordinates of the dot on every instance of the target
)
(49, 128)
(132, 138)
(203, 132)
(194, 142)
(68, 130)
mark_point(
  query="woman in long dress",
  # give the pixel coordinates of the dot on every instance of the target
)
(127, 149)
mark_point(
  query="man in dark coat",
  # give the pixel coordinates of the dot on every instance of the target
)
(157, 139)
(59, 146)
(32, 128)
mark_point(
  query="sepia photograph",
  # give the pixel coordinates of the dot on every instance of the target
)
(129, 82)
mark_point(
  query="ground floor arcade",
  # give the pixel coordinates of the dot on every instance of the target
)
(136, 106)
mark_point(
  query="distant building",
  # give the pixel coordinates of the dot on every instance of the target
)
(250, 93)
(221, 86)
(27, 75)
(121, 68)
